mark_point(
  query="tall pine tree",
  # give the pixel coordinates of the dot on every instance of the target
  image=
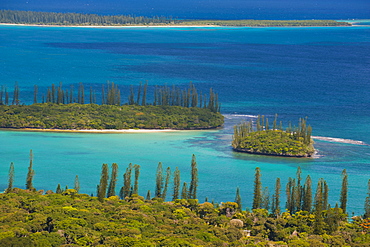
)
(184, 192)
(113, 180)
(194, 179)
(125, 190)
(159, 181)
(367, 202)
(318, 225)
(136, 181)
(238, 199)
(11, 178)
(276, 198)
(168, 176)
(344, 191)
(307, 195)
(257, 194)
(176, 184)
(77, 184)
(30, 174)
(102, 191)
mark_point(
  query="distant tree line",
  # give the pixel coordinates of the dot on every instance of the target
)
(264, 138)
(52, 18)
(111, 95)
(76, 19)
(267, 23)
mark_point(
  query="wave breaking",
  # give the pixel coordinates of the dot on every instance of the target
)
(340, 140)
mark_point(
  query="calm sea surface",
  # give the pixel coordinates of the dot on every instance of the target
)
(321, 73)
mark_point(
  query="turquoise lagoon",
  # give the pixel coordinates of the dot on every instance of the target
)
(322, 73)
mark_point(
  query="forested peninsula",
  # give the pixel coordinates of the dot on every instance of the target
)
(294, 141)
(64, 109)
(77, 19)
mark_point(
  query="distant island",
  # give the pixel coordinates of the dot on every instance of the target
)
(77, 19)
(292, 142)
(66, 109)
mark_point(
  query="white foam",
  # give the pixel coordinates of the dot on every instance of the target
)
(340, 140)
(240, 115)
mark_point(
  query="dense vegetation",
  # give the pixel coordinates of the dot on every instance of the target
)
(111, 95)
(68, 218)
(294, 141)
(49, 18)
(52, 18)
(92, 116)
(266, 23)
(171, 108)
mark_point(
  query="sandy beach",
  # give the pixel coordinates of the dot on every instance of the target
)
(131, 26)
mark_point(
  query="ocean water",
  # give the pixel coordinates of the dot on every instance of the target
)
(322, 73)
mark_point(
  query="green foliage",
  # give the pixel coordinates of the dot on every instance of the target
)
(344, 191)
(194, 179)
(265, 23)
(103, 185)
(30, 174)
(10, 178)
(30, 219)
(50, 18)
(91, 116)
(295, 142)
(257, 194)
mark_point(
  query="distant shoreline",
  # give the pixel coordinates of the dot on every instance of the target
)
(111, 131)
(116, 26)
(166, 26)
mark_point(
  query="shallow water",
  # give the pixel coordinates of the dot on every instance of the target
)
(322, 73)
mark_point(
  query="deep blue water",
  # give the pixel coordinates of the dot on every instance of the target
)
(321, 73)
(206, 9)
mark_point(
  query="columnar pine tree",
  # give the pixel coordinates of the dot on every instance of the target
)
(167, 180)
(325, 196)
(59, 189)
(125, 190)
(344, 191)
(176, 184)
(113, 180)
(16, 94)
(194, 179)
(184, 192)
(276, 198)
(298, 204)
(144, 94)
(77, 184)
(367, 202)
(307, 195)
(257, 195)
(35, 92)
(159, 181)
(30, 174)
(136, 182)
(265, 199)
(319, 221)
(102, 191)
(11, 178)
(238, 199)
(291, 195)
(148, 197)
(139, 94)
